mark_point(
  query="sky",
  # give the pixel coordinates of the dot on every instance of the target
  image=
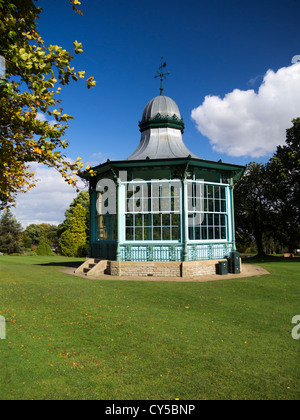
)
(233, 75)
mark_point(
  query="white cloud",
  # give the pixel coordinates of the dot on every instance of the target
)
(246, 123)
(48, 201)
(41, 117)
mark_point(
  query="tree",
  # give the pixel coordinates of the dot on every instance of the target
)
(35, 234)
(254, 211)
(35, 74)
(73, 242)
(284, 168)
(78, 230)
(67, 244)
(83, 198)
(10, 233)
(44, 249)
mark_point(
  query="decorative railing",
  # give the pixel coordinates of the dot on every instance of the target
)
(196, 252)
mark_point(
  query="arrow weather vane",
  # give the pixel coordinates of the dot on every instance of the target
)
(160, 74)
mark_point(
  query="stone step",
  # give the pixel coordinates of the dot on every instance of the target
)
(92, 267)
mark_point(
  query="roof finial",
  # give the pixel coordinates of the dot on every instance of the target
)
(162, 75)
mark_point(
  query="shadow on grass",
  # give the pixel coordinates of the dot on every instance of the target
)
(269, 259)
(72, 264)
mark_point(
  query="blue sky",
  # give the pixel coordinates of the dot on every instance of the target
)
(212, 48)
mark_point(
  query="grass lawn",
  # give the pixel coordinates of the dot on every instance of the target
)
(74, 338)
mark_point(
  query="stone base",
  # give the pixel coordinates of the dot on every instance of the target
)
(163, 269)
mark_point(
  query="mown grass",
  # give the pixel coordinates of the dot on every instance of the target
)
(75, 338)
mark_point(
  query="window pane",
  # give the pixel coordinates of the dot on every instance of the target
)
(129, 234)
(138, 220)
(223, 206)
(223, 233)
(166, 233)
(166, 219)
(156, 234)
(217, 219)
(129, 219)
(138, 234)
(175, 220)
(204, 232)
(156, 220)
(176, 233)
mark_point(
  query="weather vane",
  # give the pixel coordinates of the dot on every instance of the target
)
(161, 74)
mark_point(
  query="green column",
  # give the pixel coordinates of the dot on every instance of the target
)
(118, 253)
(93, 225)
(185, 227)
(231, 189)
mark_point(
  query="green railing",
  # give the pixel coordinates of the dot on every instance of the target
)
(156, 252)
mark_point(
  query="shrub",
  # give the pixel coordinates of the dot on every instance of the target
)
(67, 244)
(44, 249)
(73, 242)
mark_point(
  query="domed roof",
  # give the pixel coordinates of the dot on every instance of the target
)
(161, 127)
(161, 112)
(162, 105)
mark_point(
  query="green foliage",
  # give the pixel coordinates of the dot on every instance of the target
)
(67, 244)
(34, 79)
(35, 234)
(73, 242)
(267, 199)
(83, 198)
(44, 249)
(10, 233)
(253, 207)
(285, 169)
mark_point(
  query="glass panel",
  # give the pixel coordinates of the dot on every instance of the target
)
(156, 234)
(223, 206)
(153, 211)
(223, 233)
(156, 220)
(166, 219)
(176, 233)
(129, 234)
(204, 232)
(166, 233)
(138, 220)
(207, 221)
(138, 234)
(129, 219)
(210, 189)
(216, 219)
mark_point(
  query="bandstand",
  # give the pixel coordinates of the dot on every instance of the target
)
(163, 211)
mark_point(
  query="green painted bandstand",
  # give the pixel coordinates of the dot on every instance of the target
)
(163, 203)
